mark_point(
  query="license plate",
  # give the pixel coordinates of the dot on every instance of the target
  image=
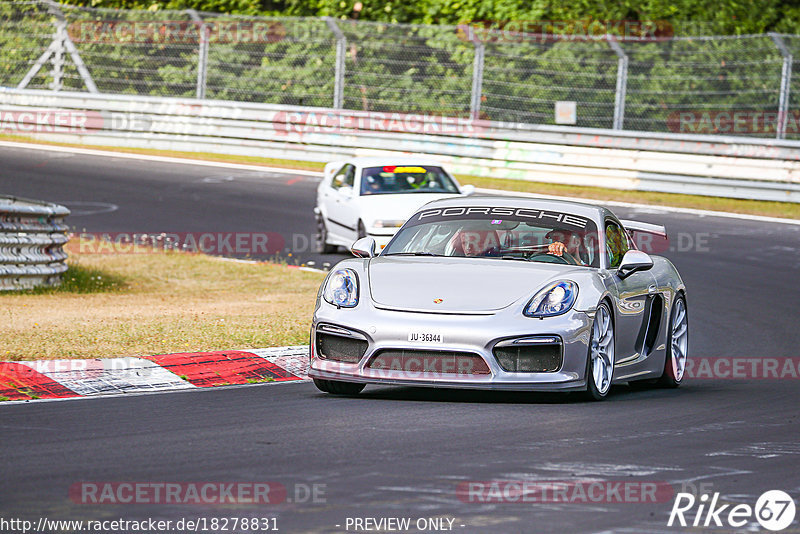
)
(425, 337)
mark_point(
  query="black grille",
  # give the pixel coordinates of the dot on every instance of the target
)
(340, 349)
(429, 361)
(545, 358)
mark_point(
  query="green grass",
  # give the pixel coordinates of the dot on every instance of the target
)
(80, 280)
(158, 303)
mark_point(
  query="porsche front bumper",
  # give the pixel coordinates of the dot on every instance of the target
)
(385, 331)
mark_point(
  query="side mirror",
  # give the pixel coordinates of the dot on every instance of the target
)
(633, 261)
(346, 191)
(467, 190)
(364, 248)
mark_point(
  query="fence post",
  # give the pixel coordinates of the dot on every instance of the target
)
(786, 79)
(66, 42)
(477, 79)
(202, 53)
(57, 72)
(341, 50)
(622, 82)
(34, 70)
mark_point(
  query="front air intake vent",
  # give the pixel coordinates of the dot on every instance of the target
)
(541, 356)
(339, 348)
(429, 361)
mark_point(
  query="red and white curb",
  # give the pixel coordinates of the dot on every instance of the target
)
(56, 379)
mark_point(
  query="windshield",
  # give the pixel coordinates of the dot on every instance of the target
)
(500, 233)
(406, 179)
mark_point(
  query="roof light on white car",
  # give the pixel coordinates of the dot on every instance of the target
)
(554, 299)
(341, 289)
(387, 223)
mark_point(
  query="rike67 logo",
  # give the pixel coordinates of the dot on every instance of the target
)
(774, 510)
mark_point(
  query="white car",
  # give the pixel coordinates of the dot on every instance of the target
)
(373, 197)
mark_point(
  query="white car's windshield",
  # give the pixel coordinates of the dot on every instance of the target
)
(499, 233)
(393, 179)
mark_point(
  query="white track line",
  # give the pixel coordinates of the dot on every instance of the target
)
(241, 166)
(160, 159)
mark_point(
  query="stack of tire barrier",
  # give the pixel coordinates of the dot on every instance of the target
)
(32, 238)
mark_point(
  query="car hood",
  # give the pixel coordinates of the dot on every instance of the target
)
(399, 207)
(464, 285)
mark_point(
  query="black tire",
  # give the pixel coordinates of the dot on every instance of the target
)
(322, 236)
(335, 387)
(362, 232)
(672, 378)
(593, 393)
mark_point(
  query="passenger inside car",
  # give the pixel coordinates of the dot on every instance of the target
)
(474, 242)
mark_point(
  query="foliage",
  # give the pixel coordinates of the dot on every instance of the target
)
(429, 68)
(717, 16)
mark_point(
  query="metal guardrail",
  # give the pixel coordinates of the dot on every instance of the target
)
(706, 165)
(32, 237)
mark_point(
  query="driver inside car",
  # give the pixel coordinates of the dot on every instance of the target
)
(567, 241)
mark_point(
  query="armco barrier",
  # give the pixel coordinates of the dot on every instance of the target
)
(32, 237)
(735, 167)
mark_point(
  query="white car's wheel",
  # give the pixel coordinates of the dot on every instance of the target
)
(322, 237)
(600, 360)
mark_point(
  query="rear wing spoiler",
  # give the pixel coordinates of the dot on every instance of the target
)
(648, 228)
(650, 238)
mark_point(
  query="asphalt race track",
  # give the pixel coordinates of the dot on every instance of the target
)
(404, 452)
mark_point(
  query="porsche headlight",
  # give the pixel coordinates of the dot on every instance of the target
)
(387, 223)
(555, 299)
(341, 289)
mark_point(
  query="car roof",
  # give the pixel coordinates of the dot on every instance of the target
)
(591, 211)
(372, 161)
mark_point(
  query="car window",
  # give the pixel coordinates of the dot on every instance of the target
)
(502, 233)
(349, 175)
(339, 178)
(395, 179)
(616, 244)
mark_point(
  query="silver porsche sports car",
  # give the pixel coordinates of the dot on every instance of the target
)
(503, 293)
